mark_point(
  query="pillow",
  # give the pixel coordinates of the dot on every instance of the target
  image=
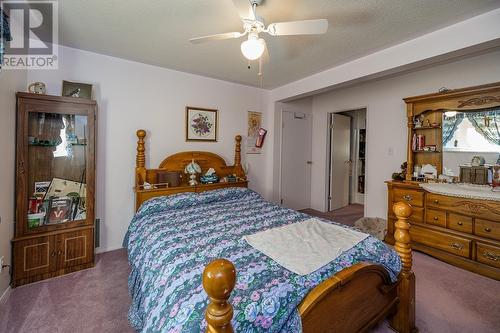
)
(225, 194)
(167, 202)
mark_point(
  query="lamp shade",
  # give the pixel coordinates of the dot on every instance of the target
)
(192, 168)
(253, 47)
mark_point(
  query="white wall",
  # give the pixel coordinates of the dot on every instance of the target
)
(132, 95)
(10, 82)
(386, 121)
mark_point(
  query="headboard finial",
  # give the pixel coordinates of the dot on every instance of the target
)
(141, 134)
(141, 156)
(140, 159)
(238, 169)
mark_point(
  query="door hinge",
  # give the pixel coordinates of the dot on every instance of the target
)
(281, 201)
(331, 126)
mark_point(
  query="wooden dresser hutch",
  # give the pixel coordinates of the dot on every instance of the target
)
(461, 231)
(55, 178)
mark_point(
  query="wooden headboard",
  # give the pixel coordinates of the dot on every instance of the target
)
(177, 162)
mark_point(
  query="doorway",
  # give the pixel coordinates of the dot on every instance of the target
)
(346, 161)
(296, 153)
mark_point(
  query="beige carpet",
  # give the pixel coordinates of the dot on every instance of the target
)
(449, 300)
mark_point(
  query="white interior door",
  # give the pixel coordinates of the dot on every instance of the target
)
(296, 160)
(340, 163)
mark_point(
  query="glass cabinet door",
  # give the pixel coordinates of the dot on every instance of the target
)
(57, 168)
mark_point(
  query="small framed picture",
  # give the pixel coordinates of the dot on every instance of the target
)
(201, 124)
(75, 89)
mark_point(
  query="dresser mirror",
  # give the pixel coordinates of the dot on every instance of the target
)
(468, 135)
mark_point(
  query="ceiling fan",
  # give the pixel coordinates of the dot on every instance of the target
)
(254, 46)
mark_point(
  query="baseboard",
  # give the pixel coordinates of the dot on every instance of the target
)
(107, 249)
(5, 295)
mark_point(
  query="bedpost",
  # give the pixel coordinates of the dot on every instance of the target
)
(238, 169)
(219, 278)
(404, 318)
(140, 160)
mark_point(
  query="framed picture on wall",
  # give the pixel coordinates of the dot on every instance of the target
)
(254, 124)
(76, 89)
(201, 124)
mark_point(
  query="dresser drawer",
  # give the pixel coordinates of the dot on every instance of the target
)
(489, 210)
(417, 214)
(487, 229)
(442, 241)
(459, 223)
(435, 217)
(413, 197)
(488, 254)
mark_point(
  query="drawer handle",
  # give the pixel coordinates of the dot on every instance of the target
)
(436, 218)
(436, 201)
(407, 197)
(487, 229)
(460, 223)
(457, 246)
(53, 254)
(491, 256)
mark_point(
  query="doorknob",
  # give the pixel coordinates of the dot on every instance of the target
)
(309, 162)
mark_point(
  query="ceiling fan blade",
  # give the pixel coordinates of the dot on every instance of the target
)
(306, 27)
(265, 56)
(245, 9)
(227, 35)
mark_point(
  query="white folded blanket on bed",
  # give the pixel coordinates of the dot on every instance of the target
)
(305, 246)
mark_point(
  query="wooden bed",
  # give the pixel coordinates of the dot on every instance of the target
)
(353, 300)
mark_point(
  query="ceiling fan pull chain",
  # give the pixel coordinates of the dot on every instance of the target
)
(260, 73)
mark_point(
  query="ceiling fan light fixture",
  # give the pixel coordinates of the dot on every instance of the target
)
(253, 47)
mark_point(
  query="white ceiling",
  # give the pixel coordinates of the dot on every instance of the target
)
(157, 32)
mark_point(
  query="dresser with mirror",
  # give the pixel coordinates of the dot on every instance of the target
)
(452, 167)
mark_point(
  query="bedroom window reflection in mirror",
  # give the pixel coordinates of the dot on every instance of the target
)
(475, 131)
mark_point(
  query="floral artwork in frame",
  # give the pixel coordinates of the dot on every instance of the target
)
(201, 124)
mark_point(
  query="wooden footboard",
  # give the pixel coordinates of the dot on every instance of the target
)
(353, 300)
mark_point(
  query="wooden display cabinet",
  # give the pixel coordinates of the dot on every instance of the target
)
(55, 181)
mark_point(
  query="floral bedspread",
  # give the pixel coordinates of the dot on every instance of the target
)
(172, 238)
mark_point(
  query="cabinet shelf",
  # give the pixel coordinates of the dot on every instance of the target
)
(42, 145)
(426, 128)
(427, 151)
(54, 145)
